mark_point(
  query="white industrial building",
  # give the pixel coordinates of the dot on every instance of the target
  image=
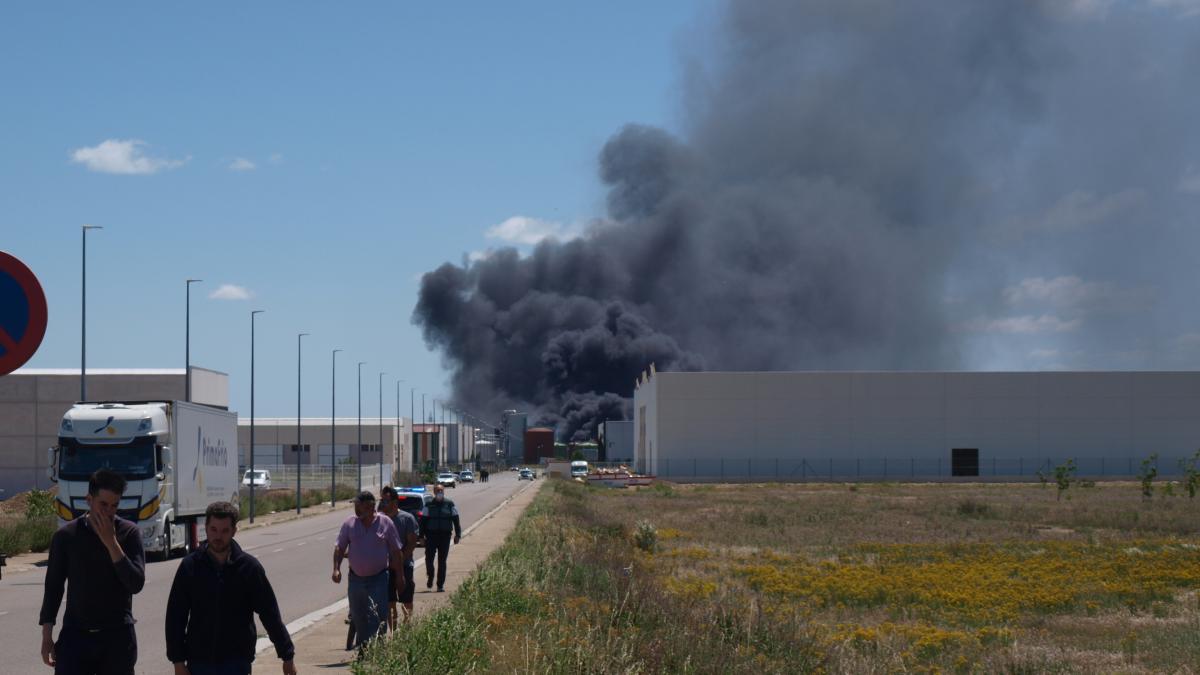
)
(912, 425)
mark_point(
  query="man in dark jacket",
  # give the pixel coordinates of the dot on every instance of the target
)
(439, 523)
(99, 558)
(210, 612)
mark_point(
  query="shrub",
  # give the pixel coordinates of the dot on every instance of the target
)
(40, 503)
(1063, 474)
(1191, 475)
(645, 536)
(23, 535)
(1147, 474)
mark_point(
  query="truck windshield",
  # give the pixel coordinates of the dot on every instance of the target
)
(134, 461)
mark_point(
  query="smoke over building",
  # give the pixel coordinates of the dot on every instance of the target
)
(856, 185)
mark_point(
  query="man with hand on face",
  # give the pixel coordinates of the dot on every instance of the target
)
(373, 546)
(438, 523)
(210, 612)
(100, 559)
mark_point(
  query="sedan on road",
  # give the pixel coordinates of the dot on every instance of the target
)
(447, 479)
(466, 477)
(258, 478)
(525, 474)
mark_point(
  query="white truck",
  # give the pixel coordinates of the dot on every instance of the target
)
(579, 469)
(177, 457)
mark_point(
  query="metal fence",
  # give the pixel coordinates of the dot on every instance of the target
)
(902, 468)
(318, 477)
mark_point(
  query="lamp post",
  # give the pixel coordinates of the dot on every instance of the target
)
(399, 430)
(333, 432)
(252, 474)
(381, 374)
(83, 315)
(187, 344)
(299, 441)
(412, 418)
(424, 428)
(358, 457)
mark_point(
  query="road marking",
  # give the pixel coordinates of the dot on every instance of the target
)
(3, 613)
(278, 550)
(302, 543)
(311, 618)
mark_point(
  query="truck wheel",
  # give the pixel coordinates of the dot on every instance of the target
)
(166, 552)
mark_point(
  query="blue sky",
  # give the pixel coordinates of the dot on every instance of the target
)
(317, 156)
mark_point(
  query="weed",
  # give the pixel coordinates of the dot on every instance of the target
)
(1063, 475)
(39, 503)
(1147, 474)
(645, 536)
(972, 508)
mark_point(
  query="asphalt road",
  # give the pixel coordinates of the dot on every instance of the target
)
(298, 556)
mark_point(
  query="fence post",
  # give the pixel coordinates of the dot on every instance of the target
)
(1020, 466)
(722, 467)
(993, 467)
(912, 467)
(831, 468)
(693, 467)
(939, 473)
(776, 467)
(1102, 472)
(749, 467)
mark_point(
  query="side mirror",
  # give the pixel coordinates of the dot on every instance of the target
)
(164, 460)
(51, 463)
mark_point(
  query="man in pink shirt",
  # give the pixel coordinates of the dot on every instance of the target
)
(373, 546)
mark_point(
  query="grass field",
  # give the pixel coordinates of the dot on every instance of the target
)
(865, 578)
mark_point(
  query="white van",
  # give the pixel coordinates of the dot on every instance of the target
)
(579, 469)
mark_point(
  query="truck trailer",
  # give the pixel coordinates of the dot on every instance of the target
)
(177, 457)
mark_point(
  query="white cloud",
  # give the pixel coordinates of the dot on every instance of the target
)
(122, 157)
(1189, 182)
(1075, 211)
(241, 164)
(529, 231)
(230, 292)
(1071, 292)
(276, 158)
(476, 256)
(1023, 325)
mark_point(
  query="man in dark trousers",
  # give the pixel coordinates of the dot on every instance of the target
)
(100, 559)
(210, 612)
(439, 523)
(402, 586)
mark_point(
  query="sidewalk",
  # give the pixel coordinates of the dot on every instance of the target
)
(26, 562)
(321, 646)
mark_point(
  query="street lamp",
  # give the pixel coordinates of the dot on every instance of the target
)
(381, 374)
(412, 418)
(252, 315)
(187, 343)
(83, 317)
(358, 458)
(299, 440)
(333, 432)
(399, 431)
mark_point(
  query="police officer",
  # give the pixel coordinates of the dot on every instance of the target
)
(439, 523)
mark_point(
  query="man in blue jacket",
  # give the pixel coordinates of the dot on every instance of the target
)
(210, 612)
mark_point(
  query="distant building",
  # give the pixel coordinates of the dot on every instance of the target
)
(275, 442)
(616, 441)
(912, 425)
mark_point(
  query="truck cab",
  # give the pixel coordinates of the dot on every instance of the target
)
(579, 469)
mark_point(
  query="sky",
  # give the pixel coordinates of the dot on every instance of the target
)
(304, 158)
(827, 184)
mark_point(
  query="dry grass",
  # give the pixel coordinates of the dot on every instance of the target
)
(869, 578)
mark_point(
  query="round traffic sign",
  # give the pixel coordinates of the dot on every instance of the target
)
(22, 313)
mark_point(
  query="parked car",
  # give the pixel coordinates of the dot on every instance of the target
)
(466, 476)
(447, 479)
(260, 478)
(525, 474)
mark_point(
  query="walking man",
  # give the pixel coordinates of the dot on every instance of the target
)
(438, 525)
(373, 547)
(210, 613)
(403, 585)
(100, 559)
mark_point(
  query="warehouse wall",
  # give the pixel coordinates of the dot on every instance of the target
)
(758, 423)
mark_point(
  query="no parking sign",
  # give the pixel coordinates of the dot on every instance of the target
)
(22, 313)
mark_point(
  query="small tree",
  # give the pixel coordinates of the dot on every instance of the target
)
(1063, 475)
(1191, 475)
(1147, 474)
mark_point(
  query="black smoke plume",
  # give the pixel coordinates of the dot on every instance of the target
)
(837, 160)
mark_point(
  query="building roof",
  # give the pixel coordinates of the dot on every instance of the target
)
(111, 371)
(320, 421)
